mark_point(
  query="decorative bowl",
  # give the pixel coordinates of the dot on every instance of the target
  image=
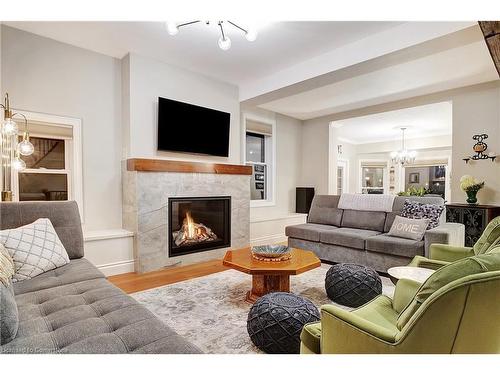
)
(270, 251)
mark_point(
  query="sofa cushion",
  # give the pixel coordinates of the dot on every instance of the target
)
(395, 246)
(324, 210)
(308, 231)
(9, 318)
(370, 220)
(348, 237)
(35, 249)
(91, 316)
(413, 229)
(77, 270)
(64, 216)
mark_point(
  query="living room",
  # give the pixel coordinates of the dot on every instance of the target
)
(200, 183)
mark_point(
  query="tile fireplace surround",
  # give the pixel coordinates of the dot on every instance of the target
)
(149, 183)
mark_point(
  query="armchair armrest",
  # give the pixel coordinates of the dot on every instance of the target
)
(433, 264)
(405, 290)
(449, 253)
(446, 233)
(359, 323)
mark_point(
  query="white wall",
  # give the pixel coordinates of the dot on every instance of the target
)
(46, 76)
(267, 224)
(42, 75)
(476, 109)
(150, 79)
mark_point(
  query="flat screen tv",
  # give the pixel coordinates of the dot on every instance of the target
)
(184, 127)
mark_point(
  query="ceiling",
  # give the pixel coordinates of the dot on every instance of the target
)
(444, 68)
(278, 45)
(303, 69)
(422, 121)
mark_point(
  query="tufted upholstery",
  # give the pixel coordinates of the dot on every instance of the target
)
(90, 316)
(74, 309)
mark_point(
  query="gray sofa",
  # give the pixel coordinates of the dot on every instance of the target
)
(338, 235)
(74, 309)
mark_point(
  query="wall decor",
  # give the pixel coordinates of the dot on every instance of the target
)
(414, 178)
(480, 148)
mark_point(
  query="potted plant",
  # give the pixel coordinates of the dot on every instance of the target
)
(471, 186)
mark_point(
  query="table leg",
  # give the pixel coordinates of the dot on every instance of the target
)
(263, 284)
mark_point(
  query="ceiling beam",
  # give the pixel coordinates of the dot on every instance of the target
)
(491, 32)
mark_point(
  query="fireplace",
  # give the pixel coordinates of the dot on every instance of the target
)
(198, 224)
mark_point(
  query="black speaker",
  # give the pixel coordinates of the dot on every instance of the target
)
(303, 199)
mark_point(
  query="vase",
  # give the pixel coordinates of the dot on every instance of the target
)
(471, 197)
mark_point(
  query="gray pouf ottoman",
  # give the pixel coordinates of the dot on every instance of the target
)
(276, 319)
(352, 284)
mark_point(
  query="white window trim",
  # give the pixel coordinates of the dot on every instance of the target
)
(271, 183)
(75, 172)
(341, 162)
(386, 173)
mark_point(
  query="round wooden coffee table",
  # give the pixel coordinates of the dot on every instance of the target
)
(418, 274)
(270, 277)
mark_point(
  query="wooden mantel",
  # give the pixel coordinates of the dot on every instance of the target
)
(158, 165)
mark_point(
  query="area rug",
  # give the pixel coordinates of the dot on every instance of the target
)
(211, 313)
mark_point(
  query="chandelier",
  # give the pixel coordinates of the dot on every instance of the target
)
(224, 42)
(403, 156)
(11, 149)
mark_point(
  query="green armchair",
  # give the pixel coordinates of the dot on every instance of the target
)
(452, 312)
(441, 254)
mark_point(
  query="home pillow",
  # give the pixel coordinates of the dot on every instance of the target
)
(417, 210)
(413, 229)
(35, 249)
(445, 275)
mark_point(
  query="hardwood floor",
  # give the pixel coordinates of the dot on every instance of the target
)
(133, 282)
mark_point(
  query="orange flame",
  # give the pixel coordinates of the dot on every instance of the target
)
(191, 231)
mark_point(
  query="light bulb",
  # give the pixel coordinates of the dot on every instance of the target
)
(9, 127)
(251, 35)
(413, 154)
(18, 164)
(25, 148)
(172, 28)
(224, 43)
(394, 154)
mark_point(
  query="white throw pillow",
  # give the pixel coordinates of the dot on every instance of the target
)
(413, 229)
(35, 249)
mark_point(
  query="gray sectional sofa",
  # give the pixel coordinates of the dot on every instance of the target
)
(361, 237)
(74, 309)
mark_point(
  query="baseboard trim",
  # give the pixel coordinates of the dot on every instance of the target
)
(266, 240)
(117, 268)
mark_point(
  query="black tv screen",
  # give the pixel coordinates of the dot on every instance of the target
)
(186, 127)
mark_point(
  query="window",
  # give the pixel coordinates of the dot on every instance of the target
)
(54, 170)
(430, 177)
(46, 175)
(259, 146)
(340, 180)
(372, 179)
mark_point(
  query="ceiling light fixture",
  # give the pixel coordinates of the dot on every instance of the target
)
(403, 156)
(224, 41)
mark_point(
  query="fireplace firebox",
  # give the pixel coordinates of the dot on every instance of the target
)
(198, 224)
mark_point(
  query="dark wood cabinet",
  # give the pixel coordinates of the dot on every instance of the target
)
(474, 217)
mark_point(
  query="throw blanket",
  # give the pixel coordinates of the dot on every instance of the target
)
(367, 202)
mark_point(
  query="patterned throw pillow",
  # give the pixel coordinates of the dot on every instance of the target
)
(6, 266)
(35, 249)
(417, 210)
